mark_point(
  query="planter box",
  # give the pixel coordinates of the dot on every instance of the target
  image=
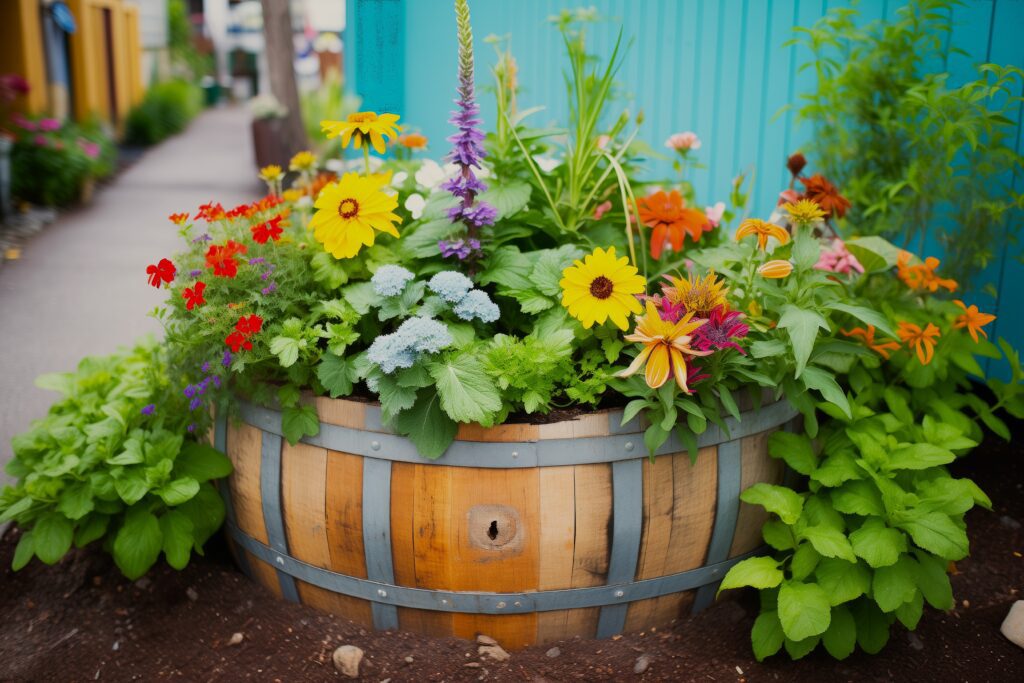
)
(528, 533)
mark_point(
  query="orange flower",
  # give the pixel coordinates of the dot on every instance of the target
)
(868, 337)
(923, 341)
(179, 218)
(670, 220)
(922, 276)
(666, 346)
(763, 230)
(973, 320)
(826, 195)
(413, 141)
(776, 270)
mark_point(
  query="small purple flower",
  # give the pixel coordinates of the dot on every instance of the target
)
(269, 289)
(205, 367)
(195, 404)
(149, 410)
(257, 260)
(205, 384)
(192, 428)
(216, 381)
(267, 273)
(190, 391)
(226, 360)
(205, 237)
(195, 273)
(460, 248)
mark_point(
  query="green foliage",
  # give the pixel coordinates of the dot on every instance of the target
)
(98, 468)
(165, 110)
(915, 153)
(51, 166)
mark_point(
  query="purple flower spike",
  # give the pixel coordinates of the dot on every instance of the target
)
(195, 273)
(149, 410)
(226, 360)
(195, 404)
(192, 428)
(257, 260)
(205, 237)
(190, 391)
(205, 368)
(269, 289)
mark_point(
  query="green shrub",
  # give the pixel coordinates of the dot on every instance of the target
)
(52, 159)
(166, 110)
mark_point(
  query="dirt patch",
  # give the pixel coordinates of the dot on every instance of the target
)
(82, 621)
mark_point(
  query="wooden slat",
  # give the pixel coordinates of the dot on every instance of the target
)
(656, 535)
(593, 494)
(758, 466)
(499, 433)
(595, 424)
(243, 448)
(342, 413)
(557, 540)
(513, 566)
(344, 504)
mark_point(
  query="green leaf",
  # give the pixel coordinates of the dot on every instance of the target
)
(877, 544)
(76, 500)
(394, 397)
(286, 349)
(784, 502)
(858, 498)
(919, 456)
(361, 295)
(822, 381)
(201, 462)
(206, 512)
(842, 581)
(804, 561)
(933, 581)
(795, 449)
(176, 529)
(806, 250)
(508, 197)
(334, 375)
(872, 626)
(547, 273)
(804, 610)
(131, 486)
(841, 636)
(798, 649)
(138, 542)
(24, 552)
(427, 426)
(131, 455)
(467, 392)
(16, 509)
(90, 529)
(829, 542)
(895, 584)
(757, 572)
(778, 535)
(51, 537)
(766, 636)
(909, 613)
(298, 422)
(937, 533)
(865, 315)
(802, 325)
(874, 253)
(178, 491)
(836, 469)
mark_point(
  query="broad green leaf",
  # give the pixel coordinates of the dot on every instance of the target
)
(427, 426)
(24, 552)
(909, 613)
(90, 529)
(76, 500)
(467, 392)
(919, 456)
(874, 253)
(836, 469)
(865, 315)
(798, 649)
(841, 636)
(757, 572)
(777, 535)
(829, 542)
(508, 197)
(804, 610)
(178, 491)
(877, 544)
(16, 509)
(138, 542)
(937, 533)
(334, 375)
(176, 529)
(802, 325)
(286, 349)
(782, 501)
(131, 455)
(804, 561)
(872, 626)
(795, 449)
(298, 422)
(766, 636)
(206, 512)
(842, 581)
(201, 462)
(933, 581)
(51, 537)
(131, 486)
(858, 498)
(547, 273)
(806, 250)
(895, 584)
(823, 382)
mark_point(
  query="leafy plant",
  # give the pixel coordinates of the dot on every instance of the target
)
(916, 154)
(52, 160)
(112, 462)
(164, 111)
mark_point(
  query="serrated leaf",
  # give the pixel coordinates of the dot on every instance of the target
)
(299, 421)
(467, 392)
(895, 584)
(858, 498)
(937, 533)
(795, 449)
(842, 581)
(427, 426)
(508, 197)
(829, 542)
(333, 373)
(877, 544)
(918, 456)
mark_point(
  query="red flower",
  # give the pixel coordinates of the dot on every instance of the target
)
(249, 325)
(271, 230)
(179, 218)
(236, 341)
(162, 272)
(221, 258)
(193, 296)
(211, 212)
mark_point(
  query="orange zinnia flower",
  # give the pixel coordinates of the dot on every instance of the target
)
(763, 230)
(775, 270)
(823, 193)
(413, 141)
(666, 346)
(922, 276)
(868, 337)
(179, 218)
(973, 320)
(666, 214)
(923, 341)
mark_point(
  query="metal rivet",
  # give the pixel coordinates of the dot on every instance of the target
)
(280, 560)
(444, 602)
(619, 594)
(629, 446)
(518, 604)
(515, 454)
(375, 445)
(382, 593)
(501, 605)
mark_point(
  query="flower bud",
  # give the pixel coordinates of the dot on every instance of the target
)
(796, 163)
(775, 270)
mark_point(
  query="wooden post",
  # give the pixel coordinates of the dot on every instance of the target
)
(277, 32)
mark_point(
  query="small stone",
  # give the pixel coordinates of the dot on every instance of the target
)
(117, 646)
(1013, 625)
(192, 594)
(553, 652)
(346, 660)
(495, 652)
(409, 660)
(143, 583)
(643, 662)
(472, 665)
(485, 640)
(966, 603)
(915, 641)
(236, 639)
(1009, 522)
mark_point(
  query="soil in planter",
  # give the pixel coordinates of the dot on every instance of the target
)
(81, 621)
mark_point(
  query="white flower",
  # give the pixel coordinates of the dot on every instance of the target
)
(546, 164)
(340, 167)
(432, 174)
(682, 142)
(714, 213)
(399, 179)
(415, 204)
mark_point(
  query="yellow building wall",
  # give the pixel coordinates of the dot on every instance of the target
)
(21, 50)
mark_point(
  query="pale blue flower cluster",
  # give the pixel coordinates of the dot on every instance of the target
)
(390, 280)
(402, 348)
(450, 285)
(476, 304)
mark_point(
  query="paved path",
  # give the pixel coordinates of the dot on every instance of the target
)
(80, 286)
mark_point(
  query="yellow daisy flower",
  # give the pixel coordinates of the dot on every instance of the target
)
(271, 173)
(363, 127)
(698, 295)
(349, 211)
(763, 230)
(303, 161)
(602, 286)
(804, 212)
(666, 347)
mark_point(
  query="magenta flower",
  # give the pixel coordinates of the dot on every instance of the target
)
(49, 125)
(720, 330)
(601, 210)
(683, 142)
(693, 375)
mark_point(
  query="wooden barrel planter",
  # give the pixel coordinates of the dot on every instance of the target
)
(528, 533)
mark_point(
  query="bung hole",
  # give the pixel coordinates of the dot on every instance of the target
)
(492, 532)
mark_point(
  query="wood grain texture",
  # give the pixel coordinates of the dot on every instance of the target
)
(557, 541)
(499, 433)
(758, 466)
(344, 505)
(244, 446)
(593, 498)
(335, 411)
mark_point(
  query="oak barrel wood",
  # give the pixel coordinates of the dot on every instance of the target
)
(513, 533)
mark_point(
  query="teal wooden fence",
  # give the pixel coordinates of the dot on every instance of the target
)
(717, 67)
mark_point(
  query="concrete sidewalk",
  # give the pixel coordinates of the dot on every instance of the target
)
(80, 286)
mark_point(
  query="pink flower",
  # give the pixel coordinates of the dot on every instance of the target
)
(714, 213)
(838, 259)
(791, 196)
(19, 120)
(721, 328)
(40, 140)
(683, 142)
(602, 209)
(91, 149)
(602, 141)
(49, 125)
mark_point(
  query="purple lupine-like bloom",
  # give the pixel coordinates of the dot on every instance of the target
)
(192, 428)
(269, 289)
(461, 248)
(257, 260)
(205, 237)
(205, 368)
(195, 273)
(149, 410)
(267, 273)
(216, 381)
(226, 359)
(195, 404)
(190, 391)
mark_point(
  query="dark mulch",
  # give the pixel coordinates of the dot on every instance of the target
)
(81, 621)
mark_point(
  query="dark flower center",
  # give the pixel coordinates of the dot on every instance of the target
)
(348, 208)
(601, 287)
